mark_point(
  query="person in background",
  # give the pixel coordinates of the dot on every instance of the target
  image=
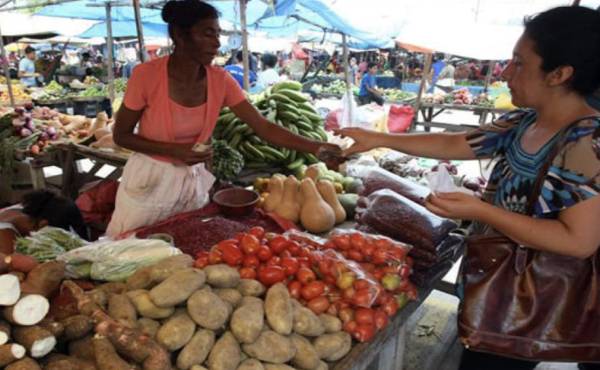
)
(368, 87)
(446, 76)
(38, 209)
(436, 69)
(353, 71)
(27, 72)
(399, 71)
(268, 76)
(237, 70)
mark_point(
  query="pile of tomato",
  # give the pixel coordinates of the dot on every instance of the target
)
(361, 279)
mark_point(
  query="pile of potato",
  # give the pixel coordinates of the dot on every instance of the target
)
(171, 315)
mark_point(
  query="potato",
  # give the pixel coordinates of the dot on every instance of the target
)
(332, 347)
(83, 349)
(207, 309)
(121, 309)
(322, 366)
(251, 287)
(278, 309)
(331, 323)
(306, 322)
(77, 326)
(306, 356)
(197, 349)
(99, 297)
(225, 355)
(271, 347)
(148, 276)
(148, 326)
(248, 320)
(107, 357)
(278, 367)
(113, 288)
(251, 364)
(70, 363)
(222, 276)
(177, 331)
(26, 363)
(198, 367)
(145, 307)
(233, 296)
(177, 288)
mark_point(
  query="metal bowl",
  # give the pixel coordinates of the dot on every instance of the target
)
(236, 201)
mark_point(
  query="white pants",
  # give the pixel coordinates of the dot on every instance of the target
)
(152, 190)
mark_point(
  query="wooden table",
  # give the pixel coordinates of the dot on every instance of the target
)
(430, 111)
(386, 350)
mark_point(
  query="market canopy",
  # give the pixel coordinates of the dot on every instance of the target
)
(95, 10)
(19, 24)
(125, 29)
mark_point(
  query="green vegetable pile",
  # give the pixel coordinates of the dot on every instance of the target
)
(227, 162)
(285, 106)
(10, 144)
(48, 243)
(397, 95)
(92, 91)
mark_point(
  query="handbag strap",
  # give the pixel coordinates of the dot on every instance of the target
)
(556, 148)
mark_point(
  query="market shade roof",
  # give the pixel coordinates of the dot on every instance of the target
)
(125, 29)
(288, 17)
(95, 10)
(477, 41)
(19, 24)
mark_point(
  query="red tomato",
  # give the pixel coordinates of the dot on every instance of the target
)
(231, 254)
(378, 274)
(383, 243)
(346, 314)
(381, 319)
(329, 245)
(305, 252)
(325, 266)
(277, 244)
(214, 257)
(348, 293)
(250, 244)
(318, 305)
(368, 267)
(363, 298)
(264, 253)
(247, 273)
(313, 290)
(257, 231)
(404, 271)
(397, 253)
(239, 236)
(290, 265)
(368, 250)
(305, 275)
(357, 241)
(390, 307)
(270, 275)
(304, 262)
(364, 333)
(350, 326)
(342, 242)
(293, 247)
(364, 316)
(294, 288)
(361, 284)
(201, 261)
(379, 257)
(355, 255)
(274, 261)
(285, 253)
(329, 280)
(251, 261)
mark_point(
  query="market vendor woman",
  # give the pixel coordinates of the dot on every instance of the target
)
(177, 100)
(555, 65)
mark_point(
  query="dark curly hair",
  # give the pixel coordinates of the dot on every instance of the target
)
(183, 14)
(57, 210)
(569, 36)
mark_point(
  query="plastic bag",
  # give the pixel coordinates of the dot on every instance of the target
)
(349, 113)
(440, 181)
(116, 260)
(400, 118)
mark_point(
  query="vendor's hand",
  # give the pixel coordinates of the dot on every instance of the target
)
(455, 205)
(331, 154)
(185, 154)
(363, 140)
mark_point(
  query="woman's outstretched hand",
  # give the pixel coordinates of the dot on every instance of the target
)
(364, 140)
(455, 205)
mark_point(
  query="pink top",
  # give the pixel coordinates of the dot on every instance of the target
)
(148, 90)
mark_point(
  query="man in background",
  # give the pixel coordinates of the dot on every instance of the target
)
(237, 70)
(368, 87)
(27, 72)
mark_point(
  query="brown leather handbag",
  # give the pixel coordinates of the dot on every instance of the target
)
(524, 303)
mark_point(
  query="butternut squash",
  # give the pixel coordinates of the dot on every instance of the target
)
(327, 191)
(316, 215)
(289, 208)
(275, 194)
(313, 172)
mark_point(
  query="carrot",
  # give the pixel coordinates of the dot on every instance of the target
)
(20, 262)
(44, 279)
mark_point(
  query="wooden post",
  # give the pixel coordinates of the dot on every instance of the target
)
(6, 69)
(425, 74)
(140, 30)
(245, 60)
(109, 42)
(488, 76)
(349, 95)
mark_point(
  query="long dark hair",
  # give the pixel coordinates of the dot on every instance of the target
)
(57, 210)
(183, 14)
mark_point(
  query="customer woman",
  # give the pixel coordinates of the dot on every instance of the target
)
(176, 100)
(38, 209)
(555, 66)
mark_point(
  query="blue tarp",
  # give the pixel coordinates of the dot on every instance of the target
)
(126, 29)
(83, 10)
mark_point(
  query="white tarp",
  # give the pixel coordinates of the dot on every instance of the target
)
(19, 24)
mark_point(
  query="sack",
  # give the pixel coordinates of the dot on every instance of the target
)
(400, 118)
(526, 303)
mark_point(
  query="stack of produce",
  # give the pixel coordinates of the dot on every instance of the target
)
(437, 98)
(361, 279)
(284, 105)
(397, 95)
(19, 94)
(483, 100)
(459, 97)
(52, 91)
(16, 135)
(48, 243)
(164, 316)
(227, 162)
